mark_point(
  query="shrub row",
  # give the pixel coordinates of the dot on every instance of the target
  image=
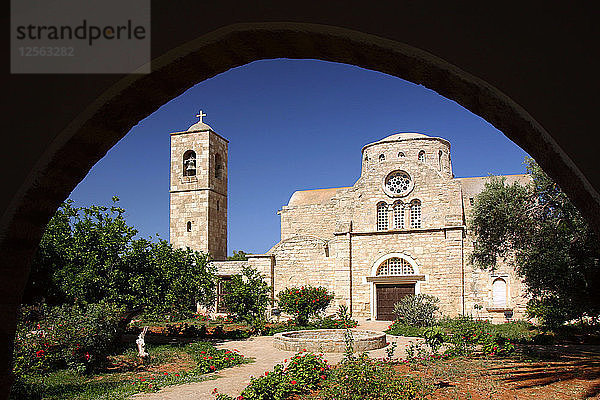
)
(365, 378)
(77, 337)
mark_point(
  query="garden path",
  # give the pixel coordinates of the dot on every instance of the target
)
(232, 381)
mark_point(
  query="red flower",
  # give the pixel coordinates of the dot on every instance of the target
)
(322, 369)
(323, 377)
(87, 356)
(176, 374)
(165, 373)
(293, 382)
(212, 367)
(39, 353)
(266, 373)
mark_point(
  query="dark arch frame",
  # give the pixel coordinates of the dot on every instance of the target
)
(102, 124)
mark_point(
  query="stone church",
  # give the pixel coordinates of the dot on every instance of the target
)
(400, 229)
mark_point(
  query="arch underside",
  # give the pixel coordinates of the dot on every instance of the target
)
(103, 123)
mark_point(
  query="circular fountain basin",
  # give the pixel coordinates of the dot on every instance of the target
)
(328, 340)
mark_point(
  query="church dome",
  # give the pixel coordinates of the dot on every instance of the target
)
(199, 126)
(404, 136)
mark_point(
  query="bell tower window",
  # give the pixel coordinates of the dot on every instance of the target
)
(189, 163)
(189, 226)
(218, 166)
(421, 156)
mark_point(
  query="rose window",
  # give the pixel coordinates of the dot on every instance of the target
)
(398, 182)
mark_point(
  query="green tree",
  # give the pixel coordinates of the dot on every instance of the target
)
(238, 256)
(554, 250)
(89, 255)
(247, 295)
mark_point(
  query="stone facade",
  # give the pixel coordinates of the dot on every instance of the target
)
(402, 224)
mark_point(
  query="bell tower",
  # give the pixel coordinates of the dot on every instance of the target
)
(198, 190)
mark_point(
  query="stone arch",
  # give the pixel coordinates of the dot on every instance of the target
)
(387, 256)
(115, 111)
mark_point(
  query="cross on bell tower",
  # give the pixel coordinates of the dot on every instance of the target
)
(200, 115)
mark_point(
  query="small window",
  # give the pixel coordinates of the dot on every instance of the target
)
(415, 214)
(440, 160)
(382, 216)
(189, 163)
(421, 156)
(189, 226)
(217, 205)
(218, 166)
(366, 157)
(471, 201)
(398, 215)
(381, 157)
(499, 293)
(401, 155)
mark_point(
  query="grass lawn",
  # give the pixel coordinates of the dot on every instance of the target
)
(126, 375)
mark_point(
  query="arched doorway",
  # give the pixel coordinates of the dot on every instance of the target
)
(393, 277)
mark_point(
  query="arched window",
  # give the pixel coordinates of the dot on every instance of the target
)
(401, 155)
(218, 166)
(415, 214)
(499, 293)
(189, 226)
(421, 156)
(440, 160)
(189, 163)
(381, 157)
(398, 215)
(395, 266)
(382, 216)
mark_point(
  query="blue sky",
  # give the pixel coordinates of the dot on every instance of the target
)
(291, 125)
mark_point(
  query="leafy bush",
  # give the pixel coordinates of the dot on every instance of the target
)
(247, 295)
(365, 378)
(399, 329)
(304, 302)
(515, 331)
(464, 333)
(78, 336)
(303, 372)
(434, 338)
(417, 310)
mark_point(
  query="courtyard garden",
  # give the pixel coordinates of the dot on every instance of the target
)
(96, 292)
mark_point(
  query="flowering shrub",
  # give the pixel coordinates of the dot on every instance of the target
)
(365, 378)
(303, 372)
(304, 302)
(77, 336)
(211, 359)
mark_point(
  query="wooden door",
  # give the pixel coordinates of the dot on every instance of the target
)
(387, 295)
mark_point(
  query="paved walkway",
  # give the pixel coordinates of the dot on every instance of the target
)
(232, 381)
